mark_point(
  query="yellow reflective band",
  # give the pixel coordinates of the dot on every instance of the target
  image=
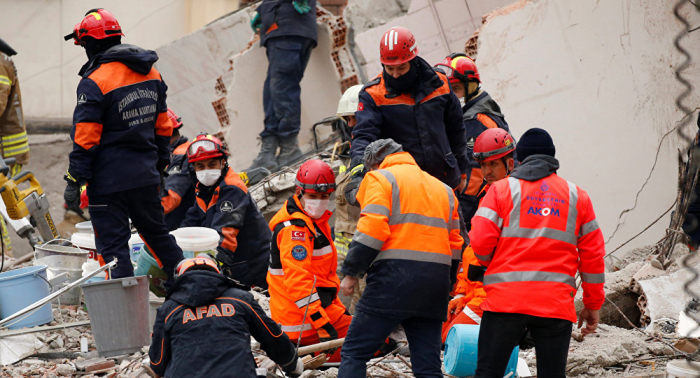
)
(15, 138)
(96, 15)
(5, 80)
(18, 150)
(69, 177)
(342, 169)
(357, 169)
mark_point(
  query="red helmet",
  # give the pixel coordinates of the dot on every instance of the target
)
(202, 261)
(397, 46)
(493, 144)
(315, 176)
(459, 67)
(99, 24)
(204, 147)
(177, 121)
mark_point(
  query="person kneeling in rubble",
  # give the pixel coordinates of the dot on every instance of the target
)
(302, 274)
(204, 327)
(224, 204)
(493, 151)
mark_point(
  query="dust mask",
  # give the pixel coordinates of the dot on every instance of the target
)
(208, 177)
(315, 208)
(462, 101)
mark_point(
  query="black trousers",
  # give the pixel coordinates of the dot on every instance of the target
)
(110, 219)
(501, 332)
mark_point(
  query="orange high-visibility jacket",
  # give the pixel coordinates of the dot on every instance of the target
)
(302, 249)
(473, 290)
(409, 232)
(533, 236)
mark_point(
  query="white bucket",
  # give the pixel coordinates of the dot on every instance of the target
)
(196, 240)
(85, 228)
(683, 369)
(85, 241)
(72, 296)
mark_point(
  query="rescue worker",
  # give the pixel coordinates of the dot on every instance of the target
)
(414, 105)
(533, 232)
(224, 204)
(288, 31)
(346, 216)
(121, 133)
(13, 133)
(480, 112)
(409, 233)
(302, 273)
(493, 150)
(204, 327)
(178, 192)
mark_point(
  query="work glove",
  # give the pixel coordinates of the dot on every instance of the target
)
(72, 193)
(357, 173)
(456, 306)
(294, 369)
(256, 23)
(301, 6)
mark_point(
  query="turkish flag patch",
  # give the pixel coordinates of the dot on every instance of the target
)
(298, 235)
(360, 107)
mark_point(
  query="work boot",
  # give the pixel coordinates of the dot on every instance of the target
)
(266, 157)
(289, 150)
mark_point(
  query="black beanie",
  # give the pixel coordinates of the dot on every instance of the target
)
(534, 142)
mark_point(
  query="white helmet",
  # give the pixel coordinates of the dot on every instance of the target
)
(349, 101)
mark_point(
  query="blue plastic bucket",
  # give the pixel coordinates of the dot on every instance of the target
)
(20, 288)
(461, 348)
(148, 266)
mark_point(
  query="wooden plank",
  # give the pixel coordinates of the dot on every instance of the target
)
(24, 331)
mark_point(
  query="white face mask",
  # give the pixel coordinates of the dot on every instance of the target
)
(315, 207)
(462, 101)
(208, 176)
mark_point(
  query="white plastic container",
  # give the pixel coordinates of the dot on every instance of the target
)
(89, 267)
(136, 245)
(196, 240)
(85, 241)
(85, 228)
(682, 369)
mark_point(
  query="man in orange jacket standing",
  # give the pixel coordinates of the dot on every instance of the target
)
(493, 151)
(302, 275)
(406, 241)
(533, 232)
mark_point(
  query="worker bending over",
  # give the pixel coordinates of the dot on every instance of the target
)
(204, 327)
(479, 112)
(412, 104)
(533, 232)
(493, 150)
(121, 132)
(409, 234)
(177, 194)
(224, 204)
(346, 215)
(302, 273)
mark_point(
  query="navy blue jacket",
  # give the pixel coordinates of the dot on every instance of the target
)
(121, 131)
(279, 19)
(178, 195)
(428, 123)
(479, 114)
(228, 208)
(204, 327)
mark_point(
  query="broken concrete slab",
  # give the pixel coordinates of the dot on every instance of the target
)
(15, 348)
(94, 364)
(599, 76)
(440, 27)
(665, 295)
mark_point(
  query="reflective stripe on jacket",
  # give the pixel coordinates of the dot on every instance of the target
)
(302, 249)
(533, 236)
(409, 233)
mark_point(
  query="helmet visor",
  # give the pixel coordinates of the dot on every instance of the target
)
(201, 146)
